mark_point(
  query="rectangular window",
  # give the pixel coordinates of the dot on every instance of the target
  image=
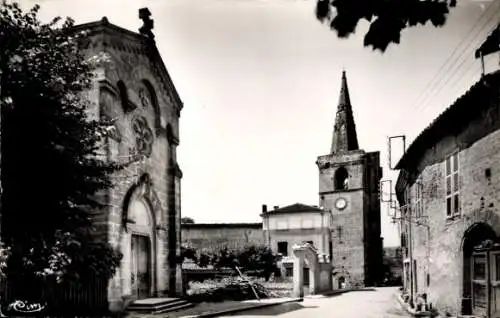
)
(283, 248)
(452, 182)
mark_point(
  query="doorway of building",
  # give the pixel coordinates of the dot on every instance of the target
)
(341, 282)
(478, 270)
(486, 281)
(141, 276)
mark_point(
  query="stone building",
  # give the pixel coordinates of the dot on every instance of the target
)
(295, 224)
(212, 237)
(449, 193)
(348, 188)
(143, 219)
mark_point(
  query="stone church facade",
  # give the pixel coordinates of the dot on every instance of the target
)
(142, 220)
(349, 188)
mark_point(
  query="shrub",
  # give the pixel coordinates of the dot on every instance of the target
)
(253, 260)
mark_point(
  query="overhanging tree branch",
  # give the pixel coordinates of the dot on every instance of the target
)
(387, 18)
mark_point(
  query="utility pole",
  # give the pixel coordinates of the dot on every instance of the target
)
(404, 218)
(410, 246)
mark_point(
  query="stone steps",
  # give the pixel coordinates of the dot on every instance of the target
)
(158, 305)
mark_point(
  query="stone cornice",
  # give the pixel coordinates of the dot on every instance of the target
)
(131, 46)
(327, 164)
(98, 26)
(341, 191)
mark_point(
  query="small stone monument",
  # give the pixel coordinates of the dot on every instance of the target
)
(320, 278)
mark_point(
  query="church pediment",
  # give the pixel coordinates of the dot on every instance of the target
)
(105, 36)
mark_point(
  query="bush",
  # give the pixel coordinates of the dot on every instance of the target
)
(253, 260)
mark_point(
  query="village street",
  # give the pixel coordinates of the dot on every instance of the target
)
(379, 303)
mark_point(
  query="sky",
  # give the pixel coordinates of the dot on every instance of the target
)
(260, 82)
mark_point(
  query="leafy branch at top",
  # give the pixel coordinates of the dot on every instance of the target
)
(387, 18)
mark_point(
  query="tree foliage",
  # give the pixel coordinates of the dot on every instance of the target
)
(257, 258)
(387, 18)
(52, 176)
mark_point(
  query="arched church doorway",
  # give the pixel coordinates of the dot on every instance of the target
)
(477, 269)
(138, 246)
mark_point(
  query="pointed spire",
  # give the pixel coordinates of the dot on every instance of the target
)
(344, 131)
(344, 99)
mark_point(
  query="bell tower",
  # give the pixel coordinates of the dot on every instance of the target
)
(348, 189)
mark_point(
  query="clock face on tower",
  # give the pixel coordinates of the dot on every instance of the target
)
(340, 203)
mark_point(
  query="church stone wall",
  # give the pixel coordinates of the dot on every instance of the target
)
(145, 138)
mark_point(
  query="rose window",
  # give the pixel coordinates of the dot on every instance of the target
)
(143, 136)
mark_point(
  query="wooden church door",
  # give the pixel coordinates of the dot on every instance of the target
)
(141, 282)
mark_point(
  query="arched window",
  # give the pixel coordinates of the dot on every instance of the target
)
(149, 99)
(122, 89)
(341, 179)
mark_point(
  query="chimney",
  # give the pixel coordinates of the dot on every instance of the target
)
(264, 208)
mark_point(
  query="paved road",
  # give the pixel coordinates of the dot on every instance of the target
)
(379, 303)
